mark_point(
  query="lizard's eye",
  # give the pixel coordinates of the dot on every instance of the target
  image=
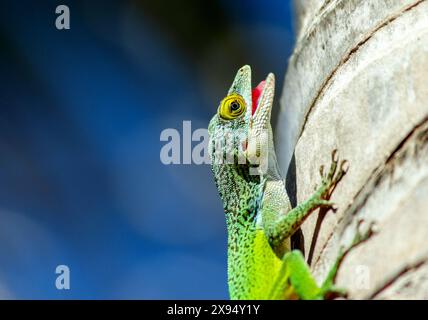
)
(232, 107)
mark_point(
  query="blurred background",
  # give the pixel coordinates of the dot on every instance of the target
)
(81, 112)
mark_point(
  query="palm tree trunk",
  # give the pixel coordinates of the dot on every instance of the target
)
(358, 81)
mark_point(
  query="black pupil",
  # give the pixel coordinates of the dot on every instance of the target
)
(234, 106)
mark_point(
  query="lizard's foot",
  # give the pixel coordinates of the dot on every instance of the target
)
(328, 289)
(331, 179)
(362, 236)
(358, 238)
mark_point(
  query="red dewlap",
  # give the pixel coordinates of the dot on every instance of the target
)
(257, 91)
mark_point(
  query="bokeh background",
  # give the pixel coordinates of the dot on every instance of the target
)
(81, 112)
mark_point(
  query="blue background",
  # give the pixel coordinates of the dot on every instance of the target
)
(81, 112)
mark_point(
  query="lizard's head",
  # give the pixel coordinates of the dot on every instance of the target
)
(240, 131)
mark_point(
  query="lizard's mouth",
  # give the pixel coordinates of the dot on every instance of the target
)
(259, 97)
(255, 97)
(259, 102)
(255, 94)
(257, 145)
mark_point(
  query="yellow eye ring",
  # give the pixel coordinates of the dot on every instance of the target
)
(232, 107)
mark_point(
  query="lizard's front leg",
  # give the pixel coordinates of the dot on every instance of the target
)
(288, 223)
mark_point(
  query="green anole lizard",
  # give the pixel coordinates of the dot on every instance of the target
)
(259, 216)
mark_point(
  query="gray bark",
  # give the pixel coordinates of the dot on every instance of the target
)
(358, 81)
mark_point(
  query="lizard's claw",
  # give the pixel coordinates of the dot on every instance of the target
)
(333, 166)
(333, 177)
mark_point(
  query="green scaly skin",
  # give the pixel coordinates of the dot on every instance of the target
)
(260, 220)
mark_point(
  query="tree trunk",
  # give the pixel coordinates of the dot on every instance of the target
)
(358, 82)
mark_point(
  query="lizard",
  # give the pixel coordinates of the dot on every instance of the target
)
(259, 217)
